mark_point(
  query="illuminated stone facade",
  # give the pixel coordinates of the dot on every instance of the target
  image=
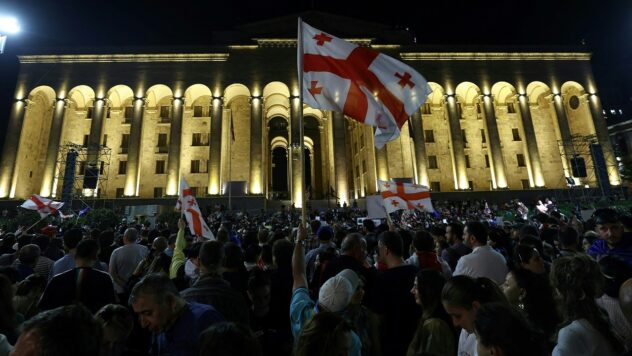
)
(493, 120)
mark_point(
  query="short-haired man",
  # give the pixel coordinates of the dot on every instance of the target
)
(212, 289)
(175, 324)
(457, 249)
(124, 259)
(484, 261)
(27, 260)
(613, 239)
(83, 284)
(67, 331)
(71, 239)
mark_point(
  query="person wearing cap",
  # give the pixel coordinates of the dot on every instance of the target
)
(335, 294)
(613, 239)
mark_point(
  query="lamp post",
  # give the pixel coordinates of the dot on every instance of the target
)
(8, 26)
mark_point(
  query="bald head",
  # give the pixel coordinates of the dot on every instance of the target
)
(625, 299)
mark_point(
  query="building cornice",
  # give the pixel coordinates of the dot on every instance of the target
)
(124, 58)
(291, 42)
(496, 56)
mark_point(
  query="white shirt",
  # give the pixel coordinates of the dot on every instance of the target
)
(484, 261)
(467, 344)
(579, 338)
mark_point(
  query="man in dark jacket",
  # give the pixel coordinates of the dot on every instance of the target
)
(613, 240)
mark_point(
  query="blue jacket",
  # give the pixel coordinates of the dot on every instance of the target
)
(622, 250)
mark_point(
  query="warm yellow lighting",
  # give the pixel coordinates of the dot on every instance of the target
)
(496, 56)
(125, 58)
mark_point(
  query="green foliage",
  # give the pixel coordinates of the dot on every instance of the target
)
(100, 219)
(27, 218)
(169, 217)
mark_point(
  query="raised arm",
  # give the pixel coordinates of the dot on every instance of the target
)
(298, 260)
(178, 251)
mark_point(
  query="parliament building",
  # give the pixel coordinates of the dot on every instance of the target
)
(116, 123)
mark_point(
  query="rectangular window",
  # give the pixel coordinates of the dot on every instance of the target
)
(429, 136)
(163, 144)
(197, 111)
(105, 140)
(86, 140)
(432, 162)
(89, 113)
(525, 184)
(478, 108)
(102, 167)
(82, 168)
(487, 161)
(364, 166)
(124, 143)
(194, 191)
(483, 138)
(362, 140)
(460, 108)
(128, 114)
(435, 186)
(108, 112)
(160, 167)
(157, 192)
(516, 135)
(511, 109)
(200, 139)
(470, 184)
(122, 167)
(467, 161)
(427, 109)
(520, 159)
(165, 112)
(464, 137)
(199, 166)
(357, 171)
(120, 192)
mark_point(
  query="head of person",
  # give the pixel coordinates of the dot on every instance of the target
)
(233, 256)
(159, 244)
(259, 290)
(502, 330)
(86, 253)
(475, 234)
(325, 334)
(615, 271)
(222, 235)
(72, 238)
(368, 225)
(227, 339)
(117, 322)
(528, 257)
(354, 245)
(423, 242)
(211, 257)
(568, 238)
(338, 292)
(29, 254)
(625, 299)
(263, 236)
(314, 225)
(130, 236)
(390, 246)
(325, 233)
(608, 225)
(31, 285)
(462, 296)
(69, 330)
(454, 232)
(427, 291)
(156, 301)
(282, 251)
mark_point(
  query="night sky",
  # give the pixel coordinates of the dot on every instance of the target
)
(605, 27)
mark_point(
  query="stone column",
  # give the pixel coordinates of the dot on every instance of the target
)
(420, 148)
(601, 131)
(339, 123)
(256, 174)
(133, 156)
(54, 137)
(296, 153)
(10, 149)
(96, 129)
(532, 144)
(458, 145)
(565, 133)
(175, 140)
(215, 148)
(496, 154)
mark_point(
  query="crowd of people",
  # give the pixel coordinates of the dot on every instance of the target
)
(453, 283)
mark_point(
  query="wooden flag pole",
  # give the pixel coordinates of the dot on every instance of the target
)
(301, 149)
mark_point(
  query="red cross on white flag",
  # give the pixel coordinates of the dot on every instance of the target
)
(365, 85)
(191, 210)
(409, 196)
(43, 206)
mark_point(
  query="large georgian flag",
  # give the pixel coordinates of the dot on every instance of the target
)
(365, 85)
(43, 206)
(397, 195)
(191, 210)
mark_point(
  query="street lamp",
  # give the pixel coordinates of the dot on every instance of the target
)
(8, 26)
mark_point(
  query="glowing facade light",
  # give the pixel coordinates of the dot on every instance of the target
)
(9, 25)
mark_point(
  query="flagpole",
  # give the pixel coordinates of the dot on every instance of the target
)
(38, 221)
(300, 118)
(230, 160)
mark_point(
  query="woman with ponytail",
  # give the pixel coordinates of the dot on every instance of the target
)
(461, 297)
